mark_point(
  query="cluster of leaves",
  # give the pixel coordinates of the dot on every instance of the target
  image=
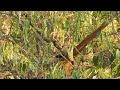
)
(25, 53)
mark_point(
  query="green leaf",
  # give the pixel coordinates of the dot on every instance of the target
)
(101, 38)
(118, 53)
(21, 66)
(31, 67)
(67, 24)
(98, 34)
(24, 67)
(95, 61)
(116, 70)
(1, 59)
(89, 72)
(76, 74)
(104, 34)
(113, 56)
(70, 52)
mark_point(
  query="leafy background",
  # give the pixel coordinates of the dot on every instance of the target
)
(24, 53)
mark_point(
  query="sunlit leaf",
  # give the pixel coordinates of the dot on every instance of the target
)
(89, 72)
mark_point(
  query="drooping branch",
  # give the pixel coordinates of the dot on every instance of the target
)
(90, 37)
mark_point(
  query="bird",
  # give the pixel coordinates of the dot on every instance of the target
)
(63, 56)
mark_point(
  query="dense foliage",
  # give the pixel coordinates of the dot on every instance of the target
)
(26, 52)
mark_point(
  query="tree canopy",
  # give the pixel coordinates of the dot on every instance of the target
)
(59, 44)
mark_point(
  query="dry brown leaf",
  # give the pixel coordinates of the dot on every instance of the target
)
(68, 67)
